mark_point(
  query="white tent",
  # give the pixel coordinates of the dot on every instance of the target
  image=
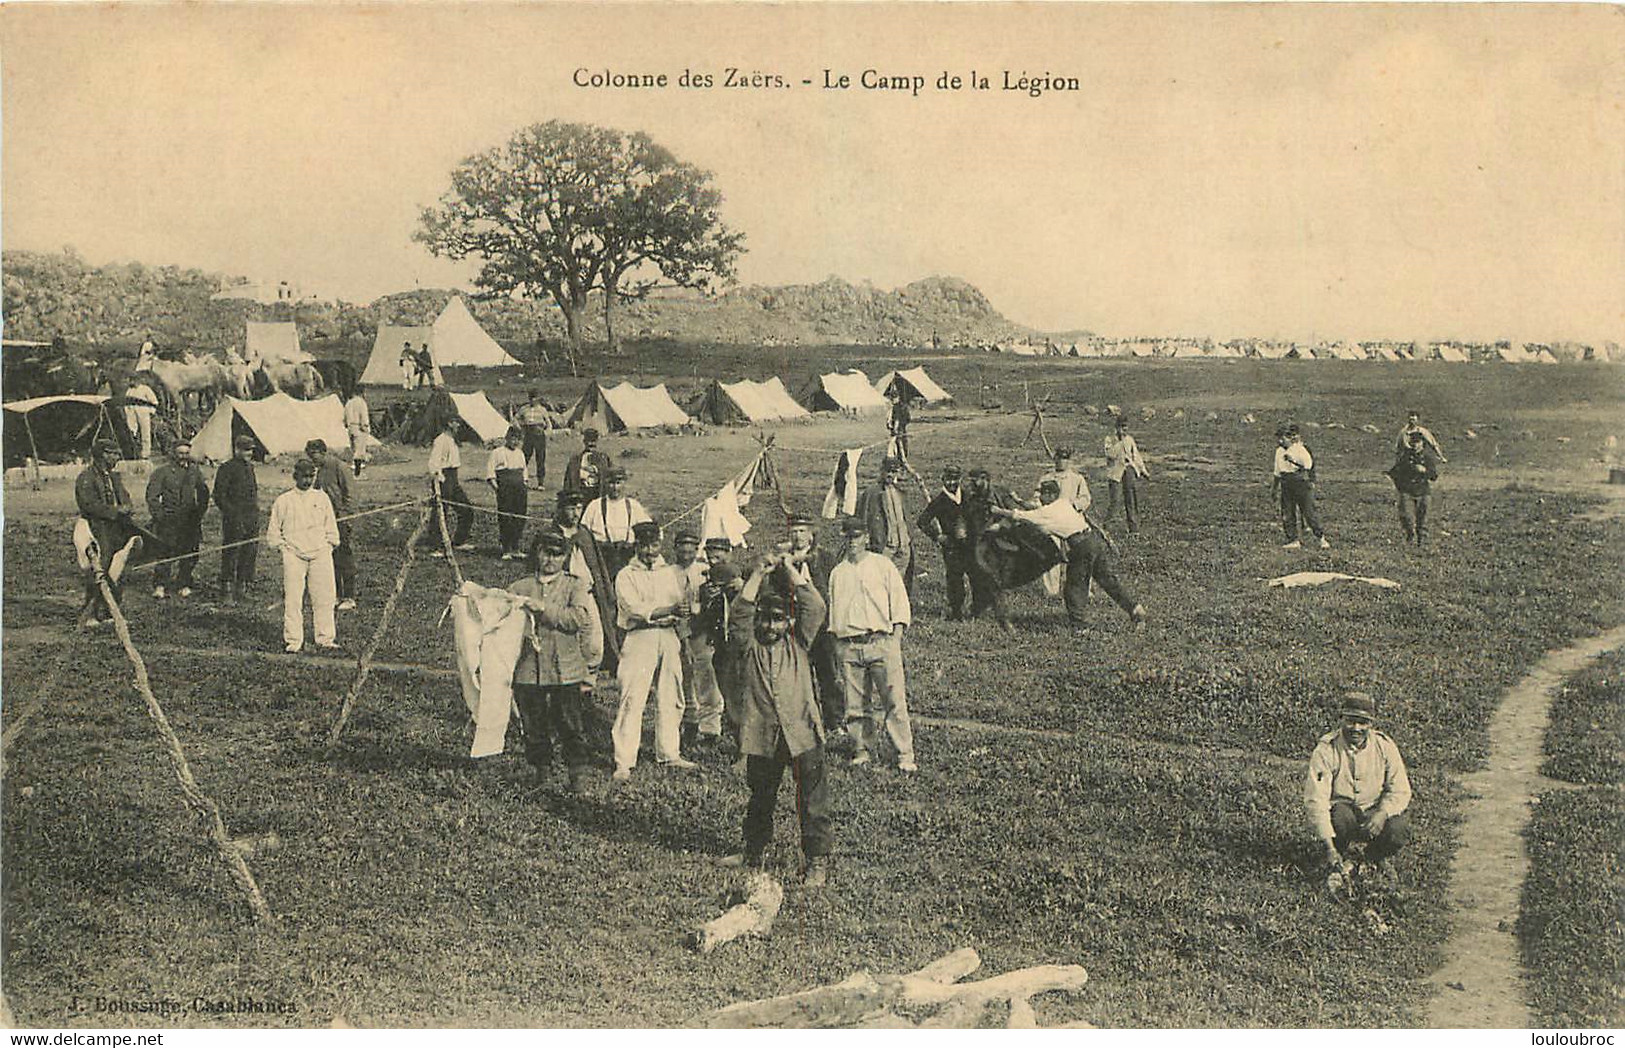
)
(916, 382)
(1544, 356)
(1227, 350)
(459, 341)
(625, 407)
(384, 365)
(1452, 355)
(1387, 354)
(1141, 349)
(455, 340)
(1185, 350)
(486, 421)
(279, 422)
(747, 401)
(842, 391)
(275, 343)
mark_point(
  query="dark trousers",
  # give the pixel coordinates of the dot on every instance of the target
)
(1348, 827)
(551, 713)
(1298, 500)
(536, 444)
(960, 564)
(826, 672)
(1413, 516)
(180, 537)
(237, 563)
(512, 500)
(1088, 559)
(763, 774)
(457, 507)
(344, 563)
(1127, 490)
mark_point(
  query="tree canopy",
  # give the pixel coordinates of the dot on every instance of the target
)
(566, 209)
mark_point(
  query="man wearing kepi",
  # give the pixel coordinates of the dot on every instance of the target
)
(177, 498)
(944, 523)
(445, 459)
(778, 619)
(507, 472)
(105, 508)
(650, 598)
(868, 611)
(1087, 556)
(1357, 791)
(1295, 477)
(552, 684)
(303, 528)
(882, 510)
(1413, 473)
(333, 480)
(237, 493)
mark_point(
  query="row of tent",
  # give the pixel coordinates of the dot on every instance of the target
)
(1185, 349)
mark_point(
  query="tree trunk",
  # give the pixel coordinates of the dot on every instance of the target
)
(610, 284)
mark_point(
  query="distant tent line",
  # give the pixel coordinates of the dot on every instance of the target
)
(1269, 349)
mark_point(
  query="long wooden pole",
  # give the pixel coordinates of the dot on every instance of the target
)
(199, 802)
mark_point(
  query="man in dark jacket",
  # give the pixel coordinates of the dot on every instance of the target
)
(237, 494)
(586, 469)
(333, 480)
(1413, 473)
(981, 499)
(813, 563)
(107, 512)
(177, 498)
(881, 508)
(944, 523)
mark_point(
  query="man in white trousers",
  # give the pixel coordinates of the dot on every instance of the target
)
(304, 528)
(651, 597)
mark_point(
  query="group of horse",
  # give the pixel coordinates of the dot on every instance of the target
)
(199, 381)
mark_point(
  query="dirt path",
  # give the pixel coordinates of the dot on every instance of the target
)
(1480, 985)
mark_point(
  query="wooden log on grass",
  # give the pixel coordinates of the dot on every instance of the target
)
(930, 997)
(752, 916)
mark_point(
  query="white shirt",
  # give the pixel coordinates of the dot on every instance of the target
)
(302, 522)
(505, 457)
(1294, 458)
(1121, 455)
(141, 391)
(444, 454)
(867, 597)
(1074, 487)
(1056, 519)
(641, 590)
(611, 520)
(357, 418)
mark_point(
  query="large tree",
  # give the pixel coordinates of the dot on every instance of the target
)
(569, 209)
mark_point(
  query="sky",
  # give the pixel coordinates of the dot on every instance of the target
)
(1302, 171)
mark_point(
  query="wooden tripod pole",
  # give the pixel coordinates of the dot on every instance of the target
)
(196, 799)
(364, 663)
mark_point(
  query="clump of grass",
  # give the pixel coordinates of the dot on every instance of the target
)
(1585, 737)
(1570, 929)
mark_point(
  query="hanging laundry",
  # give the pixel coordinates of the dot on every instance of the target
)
(488, 626)
(842, 499)
(720, 518)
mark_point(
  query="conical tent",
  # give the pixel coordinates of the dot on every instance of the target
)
(915, 382)
(275, 343)
(459, 341)
(279, 422)
(384, 365)
(842, 391)
(625, 407)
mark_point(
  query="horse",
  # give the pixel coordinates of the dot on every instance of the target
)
(204, 379)
(297, 380)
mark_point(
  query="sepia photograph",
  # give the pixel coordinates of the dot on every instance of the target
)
(723, 516)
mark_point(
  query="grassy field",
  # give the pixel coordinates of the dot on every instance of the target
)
(1148, 829)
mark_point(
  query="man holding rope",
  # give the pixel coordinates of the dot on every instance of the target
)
(106, 529)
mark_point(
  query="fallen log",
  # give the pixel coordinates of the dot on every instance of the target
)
(752, 916)
(930, 997)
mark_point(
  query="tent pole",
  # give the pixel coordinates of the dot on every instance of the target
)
(28, 424)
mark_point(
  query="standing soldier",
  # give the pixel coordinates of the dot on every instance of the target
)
(716, 623)
(303, 528)
(944, 523)
(981, 499)
(409, 365)
(445, 460)
(140, 404)
(1294, 477)
(507, 471)
(1413, 473)
(882, 510)
(358, 423)
(177, 498)
(536, 420)
(334, 481)
(1124, 471)
(552, 682)
(782, 725)
(586, 469)
(650, 599)
(868, 611)
(107, 514)
(1074, 486)
(611, 519)
(702, 700)
(812, 564)
(237, 493)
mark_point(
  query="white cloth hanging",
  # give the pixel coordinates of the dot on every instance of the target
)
(488, 627)
(842, 498)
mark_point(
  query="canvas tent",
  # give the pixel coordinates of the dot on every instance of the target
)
(916, 383)
(455, 340)
(842, 391)
(486, 421)
(51, 426)
(1544, 356)
(1451, 354)
(625, 407)
(745, 401)
(279, 422)
(275, 343)
(384, 365)
(1141, 349)
(1185, 350)
(1515, 355)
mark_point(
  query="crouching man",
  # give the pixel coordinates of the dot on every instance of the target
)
(1357, 791)
(778, 615)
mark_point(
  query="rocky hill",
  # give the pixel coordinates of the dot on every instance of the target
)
(51, 295)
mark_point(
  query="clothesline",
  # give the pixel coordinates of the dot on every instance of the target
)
(261, 538)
